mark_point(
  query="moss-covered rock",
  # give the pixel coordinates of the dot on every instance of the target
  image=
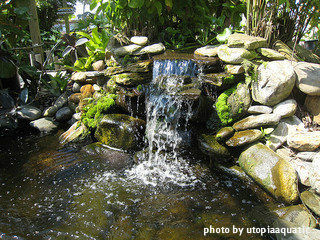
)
(121, 131)
(131, 79)
(210, 146)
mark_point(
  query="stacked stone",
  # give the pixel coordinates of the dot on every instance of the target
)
(271, 114)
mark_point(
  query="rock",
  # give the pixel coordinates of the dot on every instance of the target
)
(76, 87)
(256, 121)
(139, 67)
(50, 111)
(238, 40)
(244, 137)
(8, 122)
(224, 133)
(75, 118)
(312, 104)
(110, 71)
(294, 124)
(152, 49)
(285, 153)
(191, 94)
(234, 69)
(286, 108)
(312, 200)
(259, 109)
(308, 156)
(96, 88)
(98, 65)
(308, 78)
(314, 177)
(208, 51)
(278, 136)
(271, 171)
(87, 91)
(222, 80)
(131, 79)
(59, 103)
(285, 51)
(274, 83)
(45, 125)
(304, 141)
(139, 40)
(29, 113)
(126, 50)
(271, 54)
(78, 132)
(64, 114)
(304, 170)
(121, 131)
(210, 146)
(75, 98)
(79, 76)
(234, 55)
(112, 159)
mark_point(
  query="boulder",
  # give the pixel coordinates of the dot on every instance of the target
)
(126, 50)
(271, 54)
(245, 137)
(121, 131)
(308, 78)
(44, 125)
(139, 40)
(78, 132)
(304, 141)
(312, 200)
(64, 114)
(29, 113)
(274, 83)
(111, 159)
(271, 171)
(259, 109)
(210, 146)
(238, 40)
(152, 49)
(312, 103)
(207, 51)
(255, 121)
(98, 65)
(286, 108)
(234, 55)
(234, 69)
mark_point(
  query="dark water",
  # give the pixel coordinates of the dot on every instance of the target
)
(52, 193)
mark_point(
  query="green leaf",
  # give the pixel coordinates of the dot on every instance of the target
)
(158, 5)
(86, 35)
(96, 36)
(222, 37)
(7, 68)
(135, 3)
(168, 3)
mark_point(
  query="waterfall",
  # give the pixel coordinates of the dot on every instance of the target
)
(167, 125)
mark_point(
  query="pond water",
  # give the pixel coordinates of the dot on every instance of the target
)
(51, 193)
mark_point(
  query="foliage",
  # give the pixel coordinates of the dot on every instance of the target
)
(93, 112)
(176, 22)
(55, 85)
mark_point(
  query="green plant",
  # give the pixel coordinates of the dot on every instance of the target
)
(55, 84)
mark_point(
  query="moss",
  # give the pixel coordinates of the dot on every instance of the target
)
(94, 111)
(222, 107)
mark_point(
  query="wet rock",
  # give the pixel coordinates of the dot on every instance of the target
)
(76, 87)
(131, 79)
(78, 132)
(274, 83)
(234, 69)
(312, 200)
(308, 156)
(278, 136)
(304, 141)
(152, 49)
(244, 137)
(112, 159)
(29, 113)
(98, 65)
(126, 50)
(210, 146)
(131, 101)
(59, 103)
(308, 78)
(224, 133)
(234, 55)
(222, 80)
(45, 125)
(192, 94)
(50, 111)
(312, 103)
(139, 67)
(121, 131)
(286, 108)
(256, 121)
(238, 40)
(208, 51)
(271, 171)
(259, 109)
(139, 40)
(64, 114)
(271, 54)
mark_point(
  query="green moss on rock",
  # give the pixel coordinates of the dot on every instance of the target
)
(222, 107)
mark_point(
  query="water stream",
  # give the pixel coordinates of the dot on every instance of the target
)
(49, 192)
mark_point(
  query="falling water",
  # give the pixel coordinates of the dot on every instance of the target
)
(167, 120)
